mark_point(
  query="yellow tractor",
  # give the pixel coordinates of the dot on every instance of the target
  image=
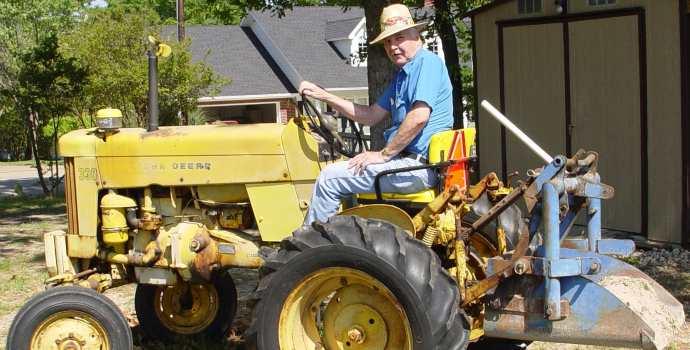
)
(173, 208)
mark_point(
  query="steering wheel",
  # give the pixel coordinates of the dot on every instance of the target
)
(327, 128)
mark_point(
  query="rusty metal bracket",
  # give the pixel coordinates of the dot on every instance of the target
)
(564, 267)
(505, 270)
(520, 305)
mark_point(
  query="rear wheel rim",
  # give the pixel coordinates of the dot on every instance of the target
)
(70, 330)
(343, 309)
(186, 308)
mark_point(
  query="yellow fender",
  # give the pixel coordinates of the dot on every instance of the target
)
(386, 212)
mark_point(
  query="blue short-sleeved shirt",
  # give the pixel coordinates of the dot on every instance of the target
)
(424, 78)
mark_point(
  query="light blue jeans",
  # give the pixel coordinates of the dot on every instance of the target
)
(337, 181)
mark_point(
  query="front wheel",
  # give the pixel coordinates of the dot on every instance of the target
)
(355, 283)
(69, 318)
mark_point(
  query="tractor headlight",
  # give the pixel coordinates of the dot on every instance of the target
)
(109, 119)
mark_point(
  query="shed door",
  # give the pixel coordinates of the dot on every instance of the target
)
(606, 110)
(534, 91)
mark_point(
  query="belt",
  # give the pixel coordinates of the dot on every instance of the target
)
(418, 157)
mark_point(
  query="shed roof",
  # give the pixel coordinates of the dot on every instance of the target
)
(473, 12)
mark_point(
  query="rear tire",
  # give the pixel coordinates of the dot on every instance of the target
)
(208, 310)
(368, 267)
(69, 317)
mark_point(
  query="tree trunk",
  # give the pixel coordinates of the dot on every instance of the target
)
(444, 27)
(380, 71)
(33, 143)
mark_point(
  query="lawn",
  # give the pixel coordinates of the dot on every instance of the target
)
(26, 162)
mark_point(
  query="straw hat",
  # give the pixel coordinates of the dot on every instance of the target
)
(396, 18)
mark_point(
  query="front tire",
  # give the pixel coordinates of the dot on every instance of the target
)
(356, 283)
(69, 318)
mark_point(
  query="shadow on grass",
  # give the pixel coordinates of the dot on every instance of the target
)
(38, 258)
(182, 343)
(14, 207)
(18, 239)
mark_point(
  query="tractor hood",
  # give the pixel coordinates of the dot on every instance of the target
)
(207, 140)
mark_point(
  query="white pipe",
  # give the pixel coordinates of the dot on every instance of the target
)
(516, 131)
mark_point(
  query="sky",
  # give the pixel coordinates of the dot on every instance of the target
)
(98, 3)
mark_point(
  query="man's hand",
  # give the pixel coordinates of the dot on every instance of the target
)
(360, 161)
(312, 90)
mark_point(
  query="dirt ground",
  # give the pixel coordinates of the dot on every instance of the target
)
(22, 223)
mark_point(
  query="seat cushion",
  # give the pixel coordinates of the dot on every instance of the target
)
(425, 196)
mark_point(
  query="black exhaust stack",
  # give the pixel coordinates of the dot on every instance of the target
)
(153, 90)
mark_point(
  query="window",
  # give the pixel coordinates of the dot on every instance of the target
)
(529, 6)
(362, 48)
(601, 2)
(359, 52)
(432, 46)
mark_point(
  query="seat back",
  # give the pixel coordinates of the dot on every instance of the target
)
(445, 145)
(453, 145)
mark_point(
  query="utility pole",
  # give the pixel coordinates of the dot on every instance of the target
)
(180, 20)
(183, 117)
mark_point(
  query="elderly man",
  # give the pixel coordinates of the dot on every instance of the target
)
(419, 100)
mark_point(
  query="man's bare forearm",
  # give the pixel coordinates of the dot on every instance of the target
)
(360, 113)
(413, 124)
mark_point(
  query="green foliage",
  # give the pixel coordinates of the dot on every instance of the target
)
(24, 24)
(47, 83)
(463, 31)
(209, 11)
(183, 82)
(47, 80)
(112, 43)
(13, 136)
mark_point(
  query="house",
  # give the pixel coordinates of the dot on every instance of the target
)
(266, 58)
(606, 75)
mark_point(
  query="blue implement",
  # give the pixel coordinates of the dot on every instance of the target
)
(618, 306)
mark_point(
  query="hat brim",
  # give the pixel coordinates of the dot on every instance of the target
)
(391, 31)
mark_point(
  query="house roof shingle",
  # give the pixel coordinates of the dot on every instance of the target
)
(341, 29)
(300, 37)
(236, 54)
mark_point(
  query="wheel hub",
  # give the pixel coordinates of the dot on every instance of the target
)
(70, 330)
(356, 335)
(352, 323)
(187, 309)
(343, 309)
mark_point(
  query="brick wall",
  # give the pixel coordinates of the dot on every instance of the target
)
(288, 109)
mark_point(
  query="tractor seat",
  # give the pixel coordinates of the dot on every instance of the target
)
(424, 196)
(445, 145)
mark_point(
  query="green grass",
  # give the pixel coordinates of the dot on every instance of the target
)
(24, 205)
(22, 275)
(18, 162)
(26, 162)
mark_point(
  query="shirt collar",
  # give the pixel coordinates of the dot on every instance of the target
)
(409, 66)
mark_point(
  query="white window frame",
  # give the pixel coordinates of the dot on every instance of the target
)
(524, 4)
(598, 3)
(277, 104)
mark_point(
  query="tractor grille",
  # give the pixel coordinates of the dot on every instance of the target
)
(71, 197)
